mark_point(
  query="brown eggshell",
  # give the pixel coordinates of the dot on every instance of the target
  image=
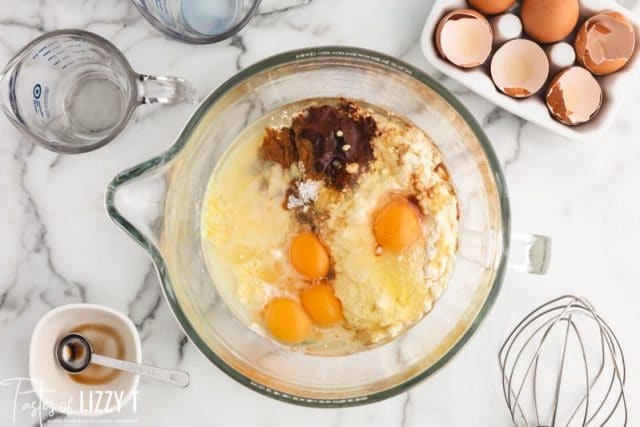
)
(445, 51)
(519, 68)
(586, 92)
(491, 7)
(606, 28)
(549, 21)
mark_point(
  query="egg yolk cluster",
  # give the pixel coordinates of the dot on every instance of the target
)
(291, 321)
(396, 226)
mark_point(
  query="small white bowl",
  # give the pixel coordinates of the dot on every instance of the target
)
(616, 87)
(55, 387)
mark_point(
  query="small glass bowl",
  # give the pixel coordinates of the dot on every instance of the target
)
(198, 21)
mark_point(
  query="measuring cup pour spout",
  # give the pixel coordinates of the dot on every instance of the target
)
(72, 91)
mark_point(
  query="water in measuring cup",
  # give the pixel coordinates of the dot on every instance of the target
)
(67, 90)
(95, 105)
(209, 17)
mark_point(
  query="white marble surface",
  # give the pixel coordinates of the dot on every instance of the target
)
(57, 245)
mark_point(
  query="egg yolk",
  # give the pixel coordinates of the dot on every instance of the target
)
(397, 224)
(309, 256)
(321, 304)
(286, 320)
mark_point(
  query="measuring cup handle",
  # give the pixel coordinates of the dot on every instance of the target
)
(164, 90)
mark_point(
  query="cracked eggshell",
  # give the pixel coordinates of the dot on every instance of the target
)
(574, 96)
(464, 38)
(519, 68)
(605, 42)
(491, 7)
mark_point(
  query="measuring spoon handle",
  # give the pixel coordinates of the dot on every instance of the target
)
(172, 376)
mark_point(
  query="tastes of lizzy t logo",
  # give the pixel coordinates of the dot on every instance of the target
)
(24, 402)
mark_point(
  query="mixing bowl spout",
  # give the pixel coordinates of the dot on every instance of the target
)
(134, 200)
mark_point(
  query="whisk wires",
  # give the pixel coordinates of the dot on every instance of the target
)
(569, 329)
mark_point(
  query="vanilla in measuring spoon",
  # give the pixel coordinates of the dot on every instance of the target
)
(106, 341)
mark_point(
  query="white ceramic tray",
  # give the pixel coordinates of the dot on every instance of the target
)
(616, 87)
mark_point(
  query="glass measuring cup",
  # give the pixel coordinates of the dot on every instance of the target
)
(73, 91)
(198, 21)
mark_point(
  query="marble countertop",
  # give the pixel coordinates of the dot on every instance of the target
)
(57, 245)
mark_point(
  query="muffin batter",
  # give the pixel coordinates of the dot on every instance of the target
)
(331, 227)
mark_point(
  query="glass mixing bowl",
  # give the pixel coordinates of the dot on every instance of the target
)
(158, 203)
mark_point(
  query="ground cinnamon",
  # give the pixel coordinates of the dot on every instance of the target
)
(277, 147)
(331, 143)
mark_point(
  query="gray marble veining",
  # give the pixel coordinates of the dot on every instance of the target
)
(57, 245)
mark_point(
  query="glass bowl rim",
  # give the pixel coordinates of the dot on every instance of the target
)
(339, 52)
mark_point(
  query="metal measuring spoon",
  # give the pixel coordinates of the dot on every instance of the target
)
(74, 354)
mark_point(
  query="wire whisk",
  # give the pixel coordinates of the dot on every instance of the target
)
(562, 365)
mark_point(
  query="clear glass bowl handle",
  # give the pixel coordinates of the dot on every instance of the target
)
(529, 253)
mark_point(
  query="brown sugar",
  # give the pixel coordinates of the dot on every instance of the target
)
(331, 143)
